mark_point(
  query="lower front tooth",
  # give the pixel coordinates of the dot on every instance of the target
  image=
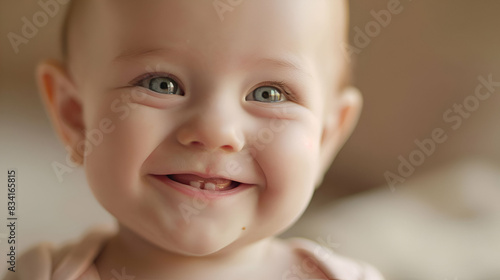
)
(195, 184)
(210, 186)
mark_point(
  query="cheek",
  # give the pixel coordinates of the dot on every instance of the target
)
(291, 160)
(290, 164)
(113, 165)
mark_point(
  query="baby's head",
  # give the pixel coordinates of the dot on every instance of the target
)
(203, 126)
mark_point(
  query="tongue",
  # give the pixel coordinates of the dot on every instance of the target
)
(214, 184)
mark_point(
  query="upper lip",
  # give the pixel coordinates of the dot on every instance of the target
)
(205, 176)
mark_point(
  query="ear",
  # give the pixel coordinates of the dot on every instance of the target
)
(339, 124)
(63, 105)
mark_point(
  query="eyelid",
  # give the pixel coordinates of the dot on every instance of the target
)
(150, 75)
(281, 85)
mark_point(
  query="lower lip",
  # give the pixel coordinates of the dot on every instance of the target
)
(195, 192)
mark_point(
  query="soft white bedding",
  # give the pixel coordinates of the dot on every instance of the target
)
(441, 226)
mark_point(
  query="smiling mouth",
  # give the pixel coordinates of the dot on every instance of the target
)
(211, 184)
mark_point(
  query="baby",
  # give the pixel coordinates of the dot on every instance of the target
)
(204, 128)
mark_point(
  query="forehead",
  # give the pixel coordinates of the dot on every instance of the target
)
(219, 27)
(217, 33)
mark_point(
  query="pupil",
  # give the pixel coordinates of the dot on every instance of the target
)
(164, 85)
(265, 94)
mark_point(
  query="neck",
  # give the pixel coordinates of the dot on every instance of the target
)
(143, 259)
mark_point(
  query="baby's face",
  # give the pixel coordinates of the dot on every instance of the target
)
(185, 100)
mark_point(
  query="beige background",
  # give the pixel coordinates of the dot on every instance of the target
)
(427, 59)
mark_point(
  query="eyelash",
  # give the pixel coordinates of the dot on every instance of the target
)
(138, 81)
(281, 85)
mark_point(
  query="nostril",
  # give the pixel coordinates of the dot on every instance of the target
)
(202, 139)
(196, 143)
(227, 148)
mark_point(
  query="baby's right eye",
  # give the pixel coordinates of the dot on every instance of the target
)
(162, 85)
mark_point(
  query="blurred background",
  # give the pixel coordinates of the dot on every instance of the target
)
(416, 211)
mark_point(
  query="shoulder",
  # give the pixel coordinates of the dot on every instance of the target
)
(46, 261)
(333, 265)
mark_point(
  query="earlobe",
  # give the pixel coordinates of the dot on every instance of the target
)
(339, 124)
(62, 103)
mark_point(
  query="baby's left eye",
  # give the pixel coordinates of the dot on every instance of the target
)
(266, 94)
(162, 85)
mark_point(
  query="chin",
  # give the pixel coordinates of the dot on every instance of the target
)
(196, 242)
(199, 248)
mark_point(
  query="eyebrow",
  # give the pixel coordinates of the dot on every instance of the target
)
(279, 62)
(283, 62)
(131, 53)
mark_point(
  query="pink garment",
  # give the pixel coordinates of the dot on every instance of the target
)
(76, 261)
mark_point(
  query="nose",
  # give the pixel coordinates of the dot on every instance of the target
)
(212, 126)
